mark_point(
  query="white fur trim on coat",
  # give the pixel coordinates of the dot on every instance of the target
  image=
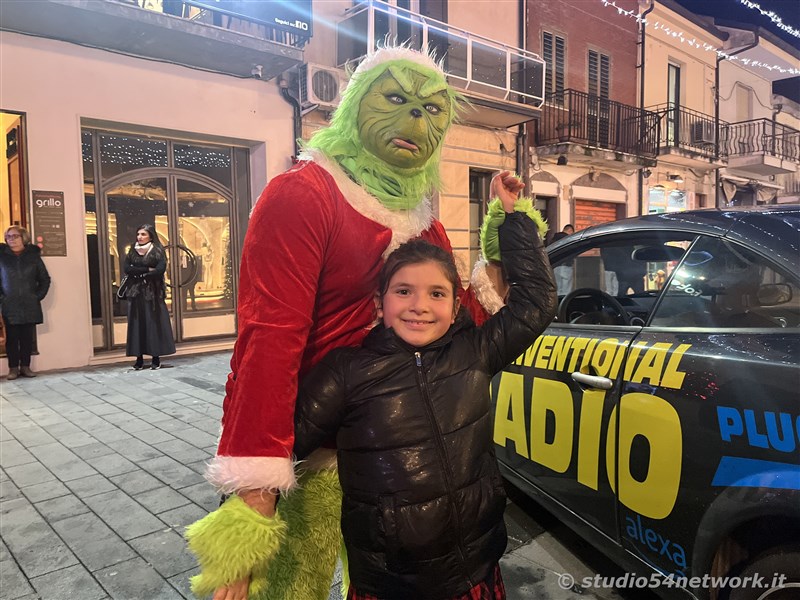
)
(235, 473)
(384, 55)
(484, 288)
(404, 224)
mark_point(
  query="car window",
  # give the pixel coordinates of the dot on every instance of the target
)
(721, 284)
(631, 268)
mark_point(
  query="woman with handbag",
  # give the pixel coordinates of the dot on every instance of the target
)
(149, 329)
(24, 282)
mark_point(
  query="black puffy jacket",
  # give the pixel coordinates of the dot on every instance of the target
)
(422, 513)
(24, 282)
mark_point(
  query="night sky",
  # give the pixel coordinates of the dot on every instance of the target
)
(734, 10)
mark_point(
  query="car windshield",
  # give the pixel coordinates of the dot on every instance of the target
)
(630, 266)
(723, 285)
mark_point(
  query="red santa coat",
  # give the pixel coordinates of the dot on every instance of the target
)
(315, 245)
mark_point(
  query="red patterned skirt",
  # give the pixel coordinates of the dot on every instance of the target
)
(491, 588)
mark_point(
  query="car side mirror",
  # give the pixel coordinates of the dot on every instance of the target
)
(773, 294)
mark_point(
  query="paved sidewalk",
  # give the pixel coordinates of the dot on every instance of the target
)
(101, 471)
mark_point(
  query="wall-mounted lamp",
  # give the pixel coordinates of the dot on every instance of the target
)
(646, 173)
(658, 186)
(562, 161)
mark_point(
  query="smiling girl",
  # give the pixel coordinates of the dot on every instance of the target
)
(422, 514)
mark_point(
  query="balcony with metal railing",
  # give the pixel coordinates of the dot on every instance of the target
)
(762, 147)
(688, 137)
(504, 84)
(193, 34)
(587, 128)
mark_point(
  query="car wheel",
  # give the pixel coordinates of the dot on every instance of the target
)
(770, 566)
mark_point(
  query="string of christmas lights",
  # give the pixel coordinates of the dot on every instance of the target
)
(148, 153)
(684, 38)
(773, 16)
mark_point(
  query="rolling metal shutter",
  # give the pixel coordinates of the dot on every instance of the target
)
(588, 213)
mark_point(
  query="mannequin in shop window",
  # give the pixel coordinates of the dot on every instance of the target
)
(207, 256)
(191, 273)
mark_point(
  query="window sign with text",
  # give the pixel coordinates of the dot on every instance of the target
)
(48, 223)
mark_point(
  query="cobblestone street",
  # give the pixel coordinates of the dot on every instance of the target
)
(102, 470)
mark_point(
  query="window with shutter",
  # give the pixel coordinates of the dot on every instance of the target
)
(598, 106)
(553, 50)
(599, 74)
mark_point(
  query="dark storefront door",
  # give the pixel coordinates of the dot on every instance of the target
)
(189, 194)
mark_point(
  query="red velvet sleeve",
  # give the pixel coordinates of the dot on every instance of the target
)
(281, 264)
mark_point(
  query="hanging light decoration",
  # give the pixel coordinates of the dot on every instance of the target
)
(692, 41)
(773, 16)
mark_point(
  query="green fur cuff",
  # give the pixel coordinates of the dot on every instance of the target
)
(303, 568)
(496, 216)
(231, 543)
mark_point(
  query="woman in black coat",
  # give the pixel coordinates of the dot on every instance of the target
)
(24, 282)
(149, 329)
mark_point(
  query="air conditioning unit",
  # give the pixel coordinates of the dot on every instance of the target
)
(703, 132)
(320, 86)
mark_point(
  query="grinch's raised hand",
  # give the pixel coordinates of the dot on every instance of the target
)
(506, 186)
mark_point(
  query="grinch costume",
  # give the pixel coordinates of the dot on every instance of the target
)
(315, 244)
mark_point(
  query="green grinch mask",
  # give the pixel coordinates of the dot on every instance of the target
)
(388, 129)
(400, 121)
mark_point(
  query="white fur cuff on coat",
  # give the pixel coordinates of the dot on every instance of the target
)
(235, 473)
(484, 289)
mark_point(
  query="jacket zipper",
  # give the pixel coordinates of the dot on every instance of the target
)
(423, 384)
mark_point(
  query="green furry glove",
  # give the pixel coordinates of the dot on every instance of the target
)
(495, 216)
(231, 543)
(304, 565)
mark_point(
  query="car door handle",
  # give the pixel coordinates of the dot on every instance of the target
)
(593, 381)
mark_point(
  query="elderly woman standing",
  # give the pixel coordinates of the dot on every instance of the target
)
(24, 282)
(149, 329)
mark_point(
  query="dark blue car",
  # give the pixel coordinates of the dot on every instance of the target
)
(659, 415)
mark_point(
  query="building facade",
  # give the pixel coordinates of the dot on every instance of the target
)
(680, 78)
(120, 113)
(123, 116)
(761, 138)
(592, 140)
